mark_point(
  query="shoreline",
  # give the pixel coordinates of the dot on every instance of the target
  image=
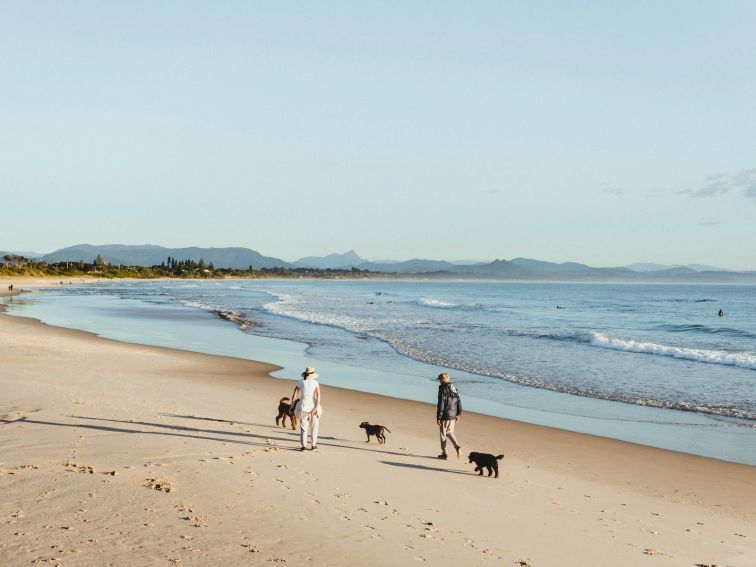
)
(428, 406)
(549, 423)
(690, 432)
(151, 411)
(562, 437)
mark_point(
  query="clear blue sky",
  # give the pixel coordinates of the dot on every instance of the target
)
(602, 132)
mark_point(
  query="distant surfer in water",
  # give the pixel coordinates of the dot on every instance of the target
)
(721, 312)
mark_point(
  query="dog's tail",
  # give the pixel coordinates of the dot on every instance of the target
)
(284, 399)
(499, 457)
(387, 429)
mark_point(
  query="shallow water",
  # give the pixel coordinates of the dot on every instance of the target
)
(616, 360)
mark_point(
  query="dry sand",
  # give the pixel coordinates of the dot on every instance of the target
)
(26, 283)
(118, 454)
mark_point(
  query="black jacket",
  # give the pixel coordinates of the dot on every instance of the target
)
(449, 405)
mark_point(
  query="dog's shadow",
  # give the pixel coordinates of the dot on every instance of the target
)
(294, 434)
(278, 428)
(426, 468)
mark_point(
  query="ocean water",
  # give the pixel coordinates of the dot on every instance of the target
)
(654, 364)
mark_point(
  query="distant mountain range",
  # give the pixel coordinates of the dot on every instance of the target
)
(516, 269)
(25, 254)
(649, 267)
(149, 255)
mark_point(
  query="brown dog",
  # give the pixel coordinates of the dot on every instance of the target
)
(285, 409)
(377, 430)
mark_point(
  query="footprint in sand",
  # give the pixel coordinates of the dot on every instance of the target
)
(252, 547)
(196, 521)
(82, 469)
(15, 470)
(429, 527)
(160, 485)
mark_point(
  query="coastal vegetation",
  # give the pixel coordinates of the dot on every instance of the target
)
(192, 263)
(13, 265)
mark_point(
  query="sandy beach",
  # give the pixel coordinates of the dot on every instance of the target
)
(120, 454)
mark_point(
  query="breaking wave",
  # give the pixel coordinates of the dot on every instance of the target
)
(429, 302)
(290, 307)
(536, 382)
(438, 304)
(745, 360)
(707, 330)
(739, 359)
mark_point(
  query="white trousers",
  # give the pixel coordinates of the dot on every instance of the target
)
(308, 424)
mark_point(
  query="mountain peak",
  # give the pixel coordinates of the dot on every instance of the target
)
(334, 261)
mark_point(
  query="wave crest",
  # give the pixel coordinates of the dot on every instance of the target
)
(544, 384)
(438, 304)
(739, 359)
(707, 330)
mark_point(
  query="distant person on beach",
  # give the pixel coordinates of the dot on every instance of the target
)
(721, 312)
(308, 408)
(448, 410)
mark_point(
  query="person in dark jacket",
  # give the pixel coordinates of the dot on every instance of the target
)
(448, 410)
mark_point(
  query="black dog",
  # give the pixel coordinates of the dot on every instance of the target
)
(376, 430)
(484, 460)
(285, 410)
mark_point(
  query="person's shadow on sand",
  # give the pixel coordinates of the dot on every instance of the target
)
(426, 468)
(347, 443)
(243, 437)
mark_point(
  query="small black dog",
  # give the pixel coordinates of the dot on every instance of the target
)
(484, 460)
(376, 430)
(285, 410)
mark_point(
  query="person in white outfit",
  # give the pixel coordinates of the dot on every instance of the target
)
(308, 408)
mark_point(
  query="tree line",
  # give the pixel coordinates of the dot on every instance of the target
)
(14, 265)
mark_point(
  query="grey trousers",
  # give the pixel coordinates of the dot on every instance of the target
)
(447, 432)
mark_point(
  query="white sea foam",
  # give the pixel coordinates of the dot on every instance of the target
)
(290, 306)
(200, 305)
(739, 359)
(430, 302)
